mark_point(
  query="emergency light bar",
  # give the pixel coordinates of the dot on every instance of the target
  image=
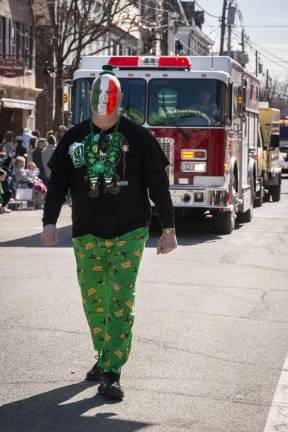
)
(167, 62)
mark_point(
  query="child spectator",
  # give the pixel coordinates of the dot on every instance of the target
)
(23, 176)
(33, 172)
(19, 171)
(6, 191)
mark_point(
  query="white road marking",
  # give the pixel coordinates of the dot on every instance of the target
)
(278, 414)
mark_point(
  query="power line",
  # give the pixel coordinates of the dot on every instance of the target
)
(208, 13)
(279, 49)
(265, 55)
(250, 26)
(260, 47)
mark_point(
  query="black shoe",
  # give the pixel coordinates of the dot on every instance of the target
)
(94, 374)
(110, 386)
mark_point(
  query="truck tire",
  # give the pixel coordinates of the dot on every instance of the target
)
(246, 217)
(276, 193)
(224, 222)
(258, 200)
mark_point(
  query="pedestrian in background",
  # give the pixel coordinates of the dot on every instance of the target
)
(110, 164)
(61, 131)
(46, 156)
(6, 191)
(37, 157)
(9, 143)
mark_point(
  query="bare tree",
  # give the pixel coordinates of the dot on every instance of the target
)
(76, 25)
(276, 93)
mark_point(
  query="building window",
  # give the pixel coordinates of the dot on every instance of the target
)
(114, 48)
(31, 47)
(2, 38)
(7, 32)
(18, 41)
(13, 40)
(26, 44)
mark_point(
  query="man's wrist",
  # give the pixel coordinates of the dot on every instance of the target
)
(169, 231)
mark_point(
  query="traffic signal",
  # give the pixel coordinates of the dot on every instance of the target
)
(178, 46)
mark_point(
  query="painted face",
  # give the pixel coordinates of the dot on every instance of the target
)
(105, 95)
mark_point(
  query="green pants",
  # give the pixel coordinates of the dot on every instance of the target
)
(107, 271)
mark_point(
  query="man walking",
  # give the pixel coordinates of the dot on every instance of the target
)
(112, 167)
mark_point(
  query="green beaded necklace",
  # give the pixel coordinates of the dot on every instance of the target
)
(102, 159)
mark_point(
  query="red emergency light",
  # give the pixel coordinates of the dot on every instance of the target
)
(175, 62)
(124, 61)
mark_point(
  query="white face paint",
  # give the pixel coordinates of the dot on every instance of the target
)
(106, 94)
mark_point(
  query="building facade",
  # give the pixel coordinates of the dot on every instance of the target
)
(18, 90)
(172, 27)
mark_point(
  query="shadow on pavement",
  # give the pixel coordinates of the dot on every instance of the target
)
(64, 235)
(48, 412)
(190, 230)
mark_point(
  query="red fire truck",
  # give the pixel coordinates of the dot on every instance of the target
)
(204, 113)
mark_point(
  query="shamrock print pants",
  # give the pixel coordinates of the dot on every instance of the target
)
(107, 271)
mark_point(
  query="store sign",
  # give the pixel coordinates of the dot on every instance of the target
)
(11, 68)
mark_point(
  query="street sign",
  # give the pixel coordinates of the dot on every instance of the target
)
(11, 68)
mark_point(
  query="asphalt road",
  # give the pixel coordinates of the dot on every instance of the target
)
(210, 340)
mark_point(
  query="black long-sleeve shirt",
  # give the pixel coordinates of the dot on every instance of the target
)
(108, 215)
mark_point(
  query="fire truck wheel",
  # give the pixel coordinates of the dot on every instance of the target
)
(258, 200)
(247, 216)
(275, 193)
(224, 222)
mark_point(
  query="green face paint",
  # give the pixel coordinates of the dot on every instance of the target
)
(105, 95)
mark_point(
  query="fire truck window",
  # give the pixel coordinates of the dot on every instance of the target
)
(81, 103)
(252, 130)
(187, 102)
(229, 102)
(133, 103)
(284, 132)
(134, 99)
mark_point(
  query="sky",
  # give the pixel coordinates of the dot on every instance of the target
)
(266, 25)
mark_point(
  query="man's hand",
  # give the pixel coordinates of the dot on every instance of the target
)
(167, 242)
(49, 235)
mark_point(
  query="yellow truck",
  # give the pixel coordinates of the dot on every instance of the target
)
(268, 155)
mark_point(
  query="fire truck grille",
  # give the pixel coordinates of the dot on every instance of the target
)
(167, 145)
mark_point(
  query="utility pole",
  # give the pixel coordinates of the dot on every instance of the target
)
(223, 27)
(267, 86)
(243, 41)
(230, 22)
(242, 59)
(256, 63)
(164, 43)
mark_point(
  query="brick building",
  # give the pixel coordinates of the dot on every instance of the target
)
(18, 90)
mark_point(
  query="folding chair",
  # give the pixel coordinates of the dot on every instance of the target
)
(25, 194)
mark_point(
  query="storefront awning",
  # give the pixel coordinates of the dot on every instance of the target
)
(17, 103)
